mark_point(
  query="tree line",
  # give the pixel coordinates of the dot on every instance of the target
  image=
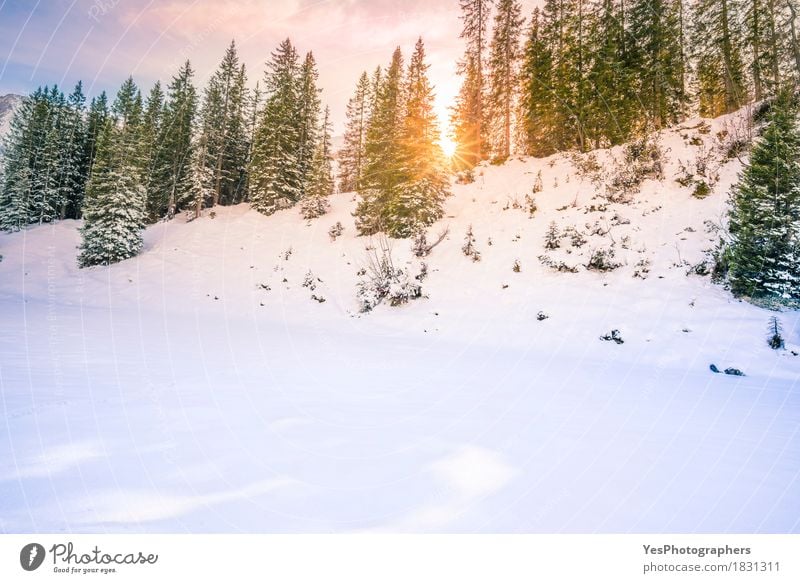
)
(585, 74)
(138, 159)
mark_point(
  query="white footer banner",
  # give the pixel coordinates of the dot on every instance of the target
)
(400, 558)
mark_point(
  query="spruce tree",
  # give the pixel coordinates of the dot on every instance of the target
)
(656, 59)
(470, 112)
(382, 169)
(98, 116)
(537, 105)
(416, 202)
(15, 197)
(151, 132)
(114, 212)
(351, 157)
(74, 169)
(718, 41)
(320, 183)
(764, 220)
(276, 178)
(171, 186)
(309, 106)
(223, 129)
(503, 66)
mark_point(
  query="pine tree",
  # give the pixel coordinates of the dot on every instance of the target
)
(503, 66)
(351, 157)
(469, 115)
(98, 116)
(309, 106)
(537, 106)
(74, 171)
(253, 105)
(223, 130)
(151, 132)
(382, 169)
(15, 197)
(655, 32)
(764, 220)
(320, 183)
(718, 46)
(416, 201)
(114, 212)
(171, 185)
(276, 178)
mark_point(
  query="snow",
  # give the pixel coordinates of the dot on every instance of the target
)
(173, 393)
(8, 103)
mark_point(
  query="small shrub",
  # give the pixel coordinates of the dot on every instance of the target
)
(642, 269)
(420, 246)
(465, 177)
(559, 266)
(775, 337)
(603, 260)
(469, 246)
(576, 238)
(516, 268)
(614, 336)
(312, 207)
(702, 269)
(382, 281)
(310, 281)
(701, 189)
(537, 184)
(642, 159)
(552, 239)
(530, 205)
(541, 317)
(336, 230)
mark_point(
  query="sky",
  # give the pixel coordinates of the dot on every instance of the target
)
(104, 41)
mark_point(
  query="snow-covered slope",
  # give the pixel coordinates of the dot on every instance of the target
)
(200, 387)
(8, 103)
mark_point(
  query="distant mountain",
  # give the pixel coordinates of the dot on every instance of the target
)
(8, 103)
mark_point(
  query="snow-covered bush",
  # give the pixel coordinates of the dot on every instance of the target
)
(312, 207)
(559, 266)
(642, 269)
(537, 184)
(382, 281)
(614, 336)
(469, 246)
(335, 230)
(465, 177)
(587, 166)
(576, 238)
(530, 205)
(701, 189)
(421, 247)
(310, 281)
(775, 330)
(552, 239)
(603, 260)
(642, 159)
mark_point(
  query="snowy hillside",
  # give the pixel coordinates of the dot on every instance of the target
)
(8, 103)
(201, 387)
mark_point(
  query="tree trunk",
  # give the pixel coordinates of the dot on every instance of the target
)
(795, 45)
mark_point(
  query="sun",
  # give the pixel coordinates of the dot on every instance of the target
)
(448, 145)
